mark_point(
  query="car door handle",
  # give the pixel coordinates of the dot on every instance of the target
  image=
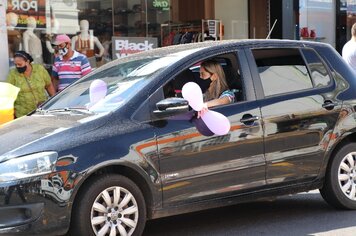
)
(329, 105)
(249, 119)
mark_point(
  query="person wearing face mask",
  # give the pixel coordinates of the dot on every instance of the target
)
(218, 92)
(69, 65)
(33, 81)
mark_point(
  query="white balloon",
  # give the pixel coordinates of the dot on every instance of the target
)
(97, 91)
(193, 94)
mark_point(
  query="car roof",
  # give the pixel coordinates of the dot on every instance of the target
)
(211, 45)
(163, 51)
(226, 43)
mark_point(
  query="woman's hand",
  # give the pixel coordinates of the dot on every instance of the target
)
(203, 110)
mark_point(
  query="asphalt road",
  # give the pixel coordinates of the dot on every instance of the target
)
(301, 214)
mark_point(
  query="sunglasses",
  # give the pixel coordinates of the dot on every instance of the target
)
(61, 46)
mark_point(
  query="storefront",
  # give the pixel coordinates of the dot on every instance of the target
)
(108, 29)
(115, 28)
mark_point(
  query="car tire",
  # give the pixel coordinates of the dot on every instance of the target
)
(339, 188)
(111, 203)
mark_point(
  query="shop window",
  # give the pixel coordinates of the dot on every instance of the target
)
(282, 71)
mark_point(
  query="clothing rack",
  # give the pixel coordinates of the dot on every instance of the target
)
(173, 29)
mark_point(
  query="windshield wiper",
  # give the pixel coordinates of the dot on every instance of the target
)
(81, 110)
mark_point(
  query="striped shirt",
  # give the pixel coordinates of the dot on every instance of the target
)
(71, 70)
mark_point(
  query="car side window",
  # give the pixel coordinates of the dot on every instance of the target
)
(230, 66)
(318, 71)
(282, 70)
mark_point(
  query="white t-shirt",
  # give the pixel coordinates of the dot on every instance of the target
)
(349, 53)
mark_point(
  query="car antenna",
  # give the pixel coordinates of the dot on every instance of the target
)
(269, 33)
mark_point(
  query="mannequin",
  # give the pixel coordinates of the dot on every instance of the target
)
(32, 44)
(14, 36)
(51, 35)
(85, 42)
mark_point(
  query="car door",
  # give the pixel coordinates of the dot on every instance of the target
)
(195, 167)
(299, 110)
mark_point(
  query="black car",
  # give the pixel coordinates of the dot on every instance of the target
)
(120, 147)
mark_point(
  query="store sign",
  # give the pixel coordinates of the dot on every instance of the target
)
(124, 46)
(28, 8)
(161, 4)
(25, 5)
(212, 27)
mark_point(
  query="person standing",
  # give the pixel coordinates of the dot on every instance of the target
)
(349, 49)
(34, 83)
(69, 65)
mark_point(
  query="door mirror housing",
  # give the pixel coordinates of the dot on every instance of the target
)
(171, 107)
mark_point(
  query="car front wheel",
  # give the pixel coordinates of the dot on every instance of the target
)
(339, 189)
(110, 205)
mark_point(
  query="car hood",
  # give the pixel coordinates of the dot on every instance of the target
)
(25, 135)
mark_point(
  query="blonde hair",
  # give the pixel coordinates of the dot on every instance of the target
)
(218, 86)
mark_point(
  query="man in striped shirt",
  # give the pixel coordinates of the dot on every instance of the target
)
(69, 65)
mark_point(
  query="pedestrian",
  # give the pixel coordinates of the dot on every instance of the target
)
(33, 81)
(218, 92)
(349, 49)
(69, 65)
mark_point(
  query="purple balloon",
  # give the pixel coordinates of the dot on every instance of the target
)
(193, 94)
(97, 91)
(216, 122)
(201, 127)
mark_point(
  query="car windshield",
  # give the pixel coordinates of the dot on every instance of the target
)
(111, 87)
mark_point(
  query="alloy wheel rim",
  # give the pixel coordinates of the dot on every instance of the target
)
(114, 212)
(347, 176)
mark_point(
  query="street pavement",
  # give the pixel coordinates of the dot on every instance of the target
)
(301, 214)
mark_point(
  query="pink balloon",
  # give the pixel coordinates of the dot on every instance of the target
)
(97, 91)
(216, 122)
(193, 94)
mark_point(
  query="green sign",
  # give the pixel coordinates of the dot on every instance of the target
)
(162, 4)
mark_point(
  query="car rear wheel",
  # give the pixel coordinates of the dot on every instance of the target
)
(339, 188)
(110, 205)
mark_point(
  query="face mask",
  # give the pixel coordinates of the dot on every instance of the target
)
(63, 51)
(204, 84)
(21, 69)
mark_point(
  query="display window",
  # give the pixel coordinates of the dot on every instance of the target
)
(33, 24)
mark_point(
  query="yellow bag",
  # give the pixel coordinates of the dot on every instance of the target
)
(8, 95)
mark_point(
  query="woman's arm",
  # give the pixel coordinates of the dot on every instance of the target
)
(218, 102)
(213, 103)
(50, 90)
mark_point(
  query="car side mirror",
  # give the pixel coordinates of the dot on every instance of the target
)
(171, 107)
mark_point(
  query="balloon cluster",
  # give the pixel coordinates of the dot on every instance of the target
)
(215, 121)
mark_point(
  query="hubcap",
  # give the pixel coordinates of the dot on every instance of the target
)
(347, 175)
(114, 212)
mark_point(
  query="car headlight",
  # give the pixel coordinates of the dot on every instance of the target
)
(28, 166)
